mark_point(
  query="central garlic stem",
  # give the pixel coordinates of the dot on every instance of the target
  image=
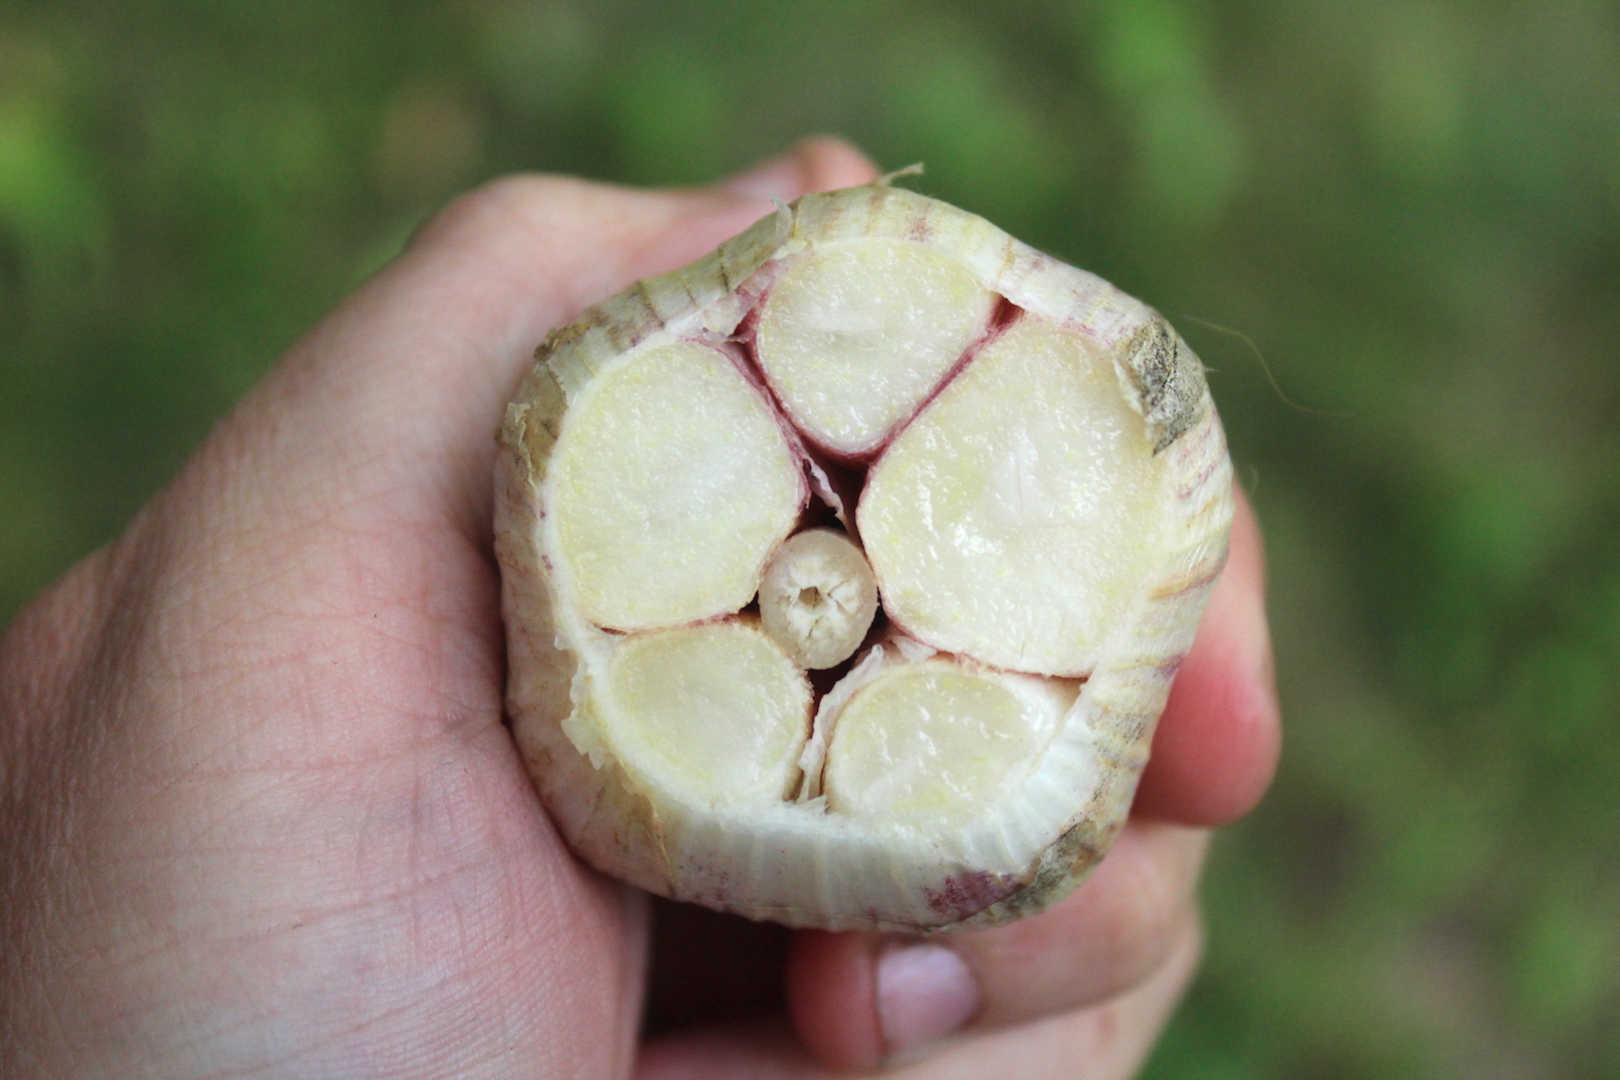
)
(818, 598)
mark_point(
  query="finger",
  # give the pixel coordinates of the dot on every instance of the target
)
(819, 163)
(404, 385)
(858, 998)
(1108, 1041)
(1217, 744)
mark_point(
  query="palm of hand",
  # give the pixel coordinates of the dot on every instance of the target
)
(317, 798)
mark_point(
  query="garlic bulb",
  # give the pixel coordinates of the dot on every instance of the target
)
(913, 699)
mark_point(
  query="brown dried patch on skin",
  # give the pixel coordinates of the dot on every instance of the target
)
(1168, 379)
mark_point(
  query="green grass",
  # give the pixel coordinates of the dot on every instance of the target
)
(1412, 209)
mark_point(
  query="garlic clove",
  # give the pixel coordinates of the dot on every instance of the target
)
(854, 336)
(1012, 519)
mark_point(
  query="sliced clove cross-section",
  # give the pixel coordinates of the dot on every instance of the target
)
(936, 744)
(852, 338)
(1014, 519)
(672, 485)
(929, 715)
(716, 711)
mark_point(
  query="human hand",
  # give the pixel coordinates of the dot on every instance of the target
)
(259, 815)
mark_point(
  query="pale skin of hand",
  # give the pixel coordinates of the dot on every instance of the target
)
(259, 816)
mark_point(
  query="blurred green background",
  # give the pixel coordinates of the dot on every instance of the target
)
(1412, 208)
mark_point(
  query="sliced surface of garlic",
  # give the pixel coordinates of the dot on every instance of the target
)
(845, 570)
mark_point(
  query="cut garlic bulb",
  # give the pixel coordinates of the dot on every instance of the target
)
(1033, 490)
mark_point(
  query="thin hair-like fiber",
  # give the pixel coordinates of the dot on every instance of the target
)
(1265, 367)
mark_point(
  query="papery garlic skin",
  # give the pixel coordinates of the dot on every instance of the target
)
(798, 859)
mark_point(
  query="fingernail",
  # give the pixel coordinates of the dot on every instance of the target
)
(781, 177)
(923, 992)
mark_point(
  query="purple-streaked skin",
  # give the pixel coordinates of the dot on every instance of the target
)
(259, 815)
